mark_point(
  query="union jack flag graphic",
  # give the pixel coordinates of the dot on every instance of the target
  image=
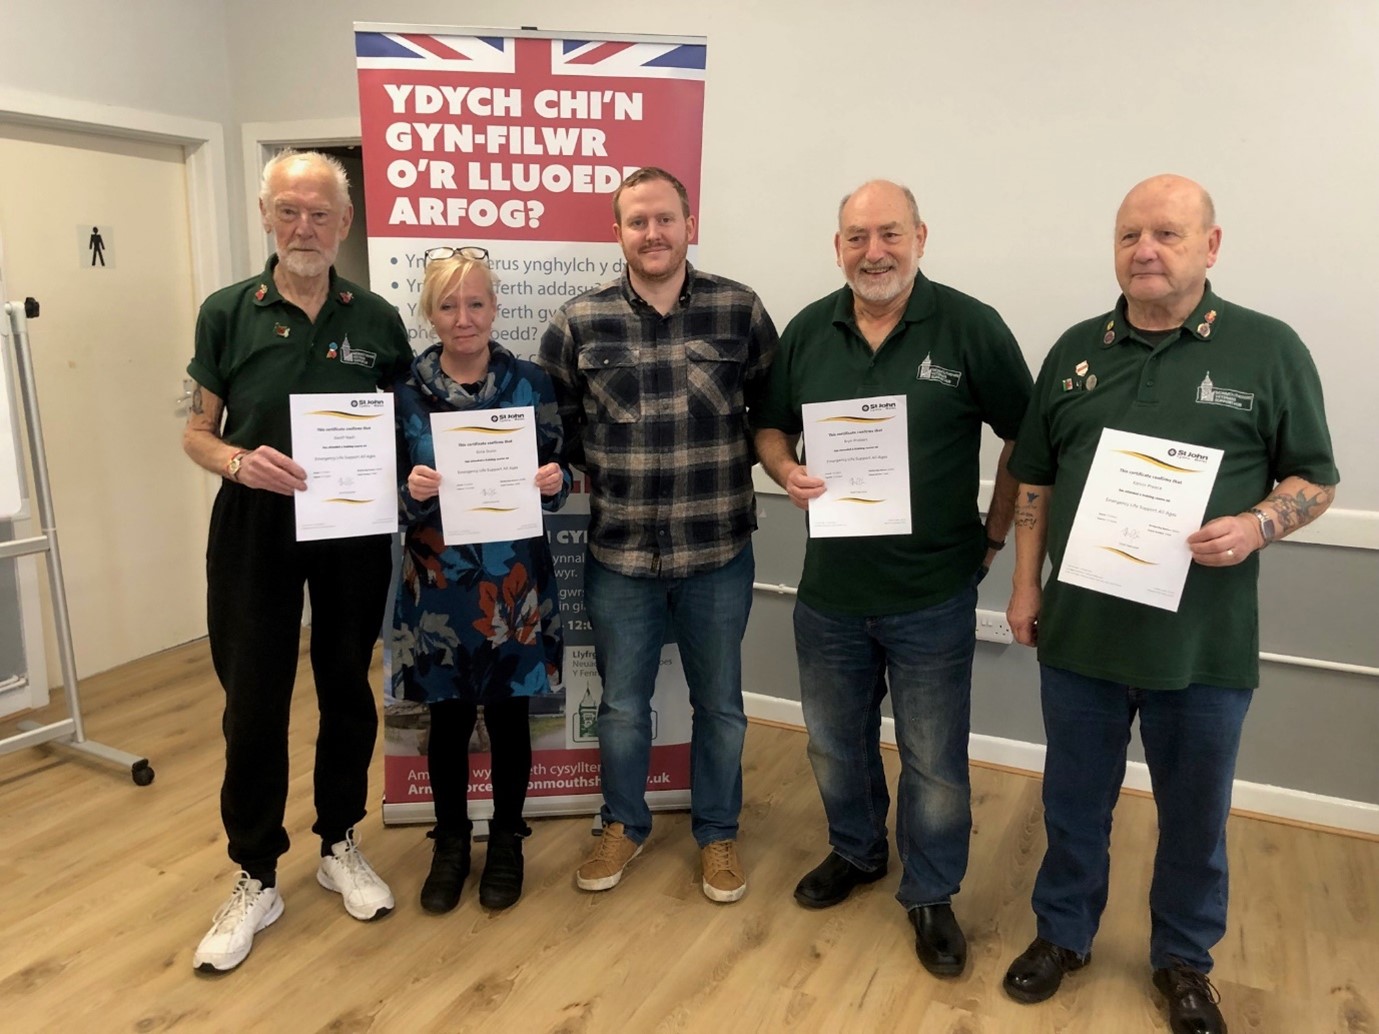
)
(499, 54)
(435, 52)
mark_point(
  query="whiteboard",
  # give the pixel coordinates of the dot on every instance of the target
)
(12, 499)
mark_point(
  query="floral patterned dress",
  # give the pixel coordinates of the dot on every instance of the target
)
(475, 623)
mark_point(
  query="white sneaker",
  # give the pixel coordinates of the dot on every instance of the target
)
(347, 872)
(251, 908)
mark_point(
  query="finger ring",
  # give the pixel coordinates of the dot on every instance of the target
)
(1230, 553)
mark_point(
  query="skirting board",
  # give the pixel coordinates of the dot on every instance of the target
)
(1257, 798)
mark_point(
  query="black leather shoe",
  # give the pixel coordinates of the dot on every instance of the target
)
(449, 869)
(1191, 1000)
(1037, 973)
(832, 881)
(501, 883)
(939, 942)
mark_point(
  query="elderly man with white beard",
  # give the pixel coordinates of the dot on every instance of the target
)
(896, 612)
(295, 328)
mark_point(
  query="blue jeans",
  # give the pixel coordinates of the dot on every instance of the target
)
(630, 616)
(926, 657)
(1191, 737)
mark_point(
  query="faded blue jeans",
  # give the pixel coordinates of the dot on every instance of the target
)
(925, 656)
(1191, 737)
(630, 617)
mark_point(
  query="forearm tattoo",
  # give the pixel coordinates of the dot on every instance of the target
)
(198, 403)
(1026, 510)
(1295, 511)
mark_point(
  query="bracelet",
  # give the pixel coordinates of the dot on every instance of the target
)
(992, 544)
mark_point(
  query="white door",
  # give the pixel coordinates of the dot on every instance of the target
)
(96, 229)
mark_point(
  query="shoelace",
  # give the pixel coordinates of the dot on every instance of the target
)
(719, 855)
(241, 901)
(608, 848)
(353, 859)
(1184, 980)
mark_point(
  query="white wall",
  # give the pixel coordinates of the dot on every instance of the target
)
(155, 55)
(167, 57)
(1019, 125)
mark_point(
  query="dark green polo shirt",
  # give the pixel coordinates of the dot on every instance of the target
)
(254, 349)
(958, 366)
(1230, 379)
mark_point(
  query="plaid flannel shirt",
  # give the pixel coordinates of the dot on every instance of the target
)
(655, 411)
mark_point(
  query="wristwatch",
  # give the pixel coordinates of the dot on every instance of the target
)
(993, 545)
(236, 461)
(1266, 525)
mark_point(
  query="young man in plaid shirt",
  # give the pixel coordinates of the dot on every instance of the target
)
(654, 374)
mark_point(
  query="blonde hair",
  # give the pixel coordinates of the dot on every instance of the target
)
(442, 276)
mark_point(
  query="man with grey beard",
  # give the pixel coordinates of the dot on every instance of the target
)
(896, 612)
(295, 328)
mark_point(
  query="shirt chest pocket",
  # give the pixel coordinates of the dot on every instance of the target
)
(713, 373)
(613, 376)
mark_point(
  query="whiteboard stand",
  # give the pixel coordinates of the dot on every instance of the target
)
(68, 732)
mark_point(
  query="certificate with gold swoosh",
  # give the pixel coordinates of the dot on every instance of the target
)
(487, 462)
(346, 444)
(1143, 497)
(861, 449)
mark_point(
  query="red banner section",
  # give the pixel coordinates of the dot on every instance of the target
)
(554, 773)
(530, 153)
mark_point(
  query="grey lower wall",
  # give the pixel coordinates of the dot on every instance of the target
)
(1310, 730)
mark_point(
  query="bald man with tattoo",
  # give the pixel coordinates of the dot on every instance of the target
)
(1176, 362)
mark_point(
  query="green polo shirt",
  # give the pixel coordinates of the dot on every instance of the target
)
(254, 349)
(1230, 379)
(959, 367)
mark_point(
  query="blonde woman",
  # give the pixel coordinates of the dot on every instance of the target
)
(474, 625)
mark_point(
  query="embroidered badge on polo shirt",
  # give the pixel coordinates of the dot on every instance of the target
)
(281, 330)
(1208, 394)
(929, 372)
(356, 356)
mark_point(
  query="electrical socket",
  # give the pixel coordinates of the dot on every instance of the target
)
(992, 627)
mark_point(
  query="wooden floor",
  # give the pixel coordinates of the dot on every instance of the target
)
(106, 888)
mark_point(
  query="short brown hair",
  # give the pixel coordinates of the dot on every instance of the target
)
(646, 174)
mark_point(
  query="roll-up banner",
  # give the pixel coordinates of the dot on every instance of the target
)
(515, 141)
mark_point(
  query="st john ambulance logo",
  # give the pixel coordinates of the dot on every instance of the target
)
(929, 372)
(1208, 394)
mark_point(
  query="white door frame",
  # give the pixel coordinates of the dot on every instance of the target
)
(208, 218)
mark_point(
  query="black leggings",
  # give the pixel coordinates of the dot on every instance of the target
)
(452, 724)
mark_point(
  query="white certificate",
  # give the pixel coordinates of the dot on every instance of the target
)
(1143, 497)
(861, 450)
(487, 462)
(346, 445)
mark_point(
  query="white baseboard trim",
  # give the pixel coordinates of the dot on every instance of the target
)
(1275, 801)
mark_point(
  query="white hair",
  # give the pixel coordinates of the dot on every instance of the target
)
(316, 158)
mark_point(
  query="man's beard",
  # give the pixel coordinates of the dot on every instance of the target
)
(305, 263)
(884, 289)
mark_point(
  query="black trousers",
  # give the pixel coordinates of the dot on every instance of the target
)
(447, 752)
(255, 570)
